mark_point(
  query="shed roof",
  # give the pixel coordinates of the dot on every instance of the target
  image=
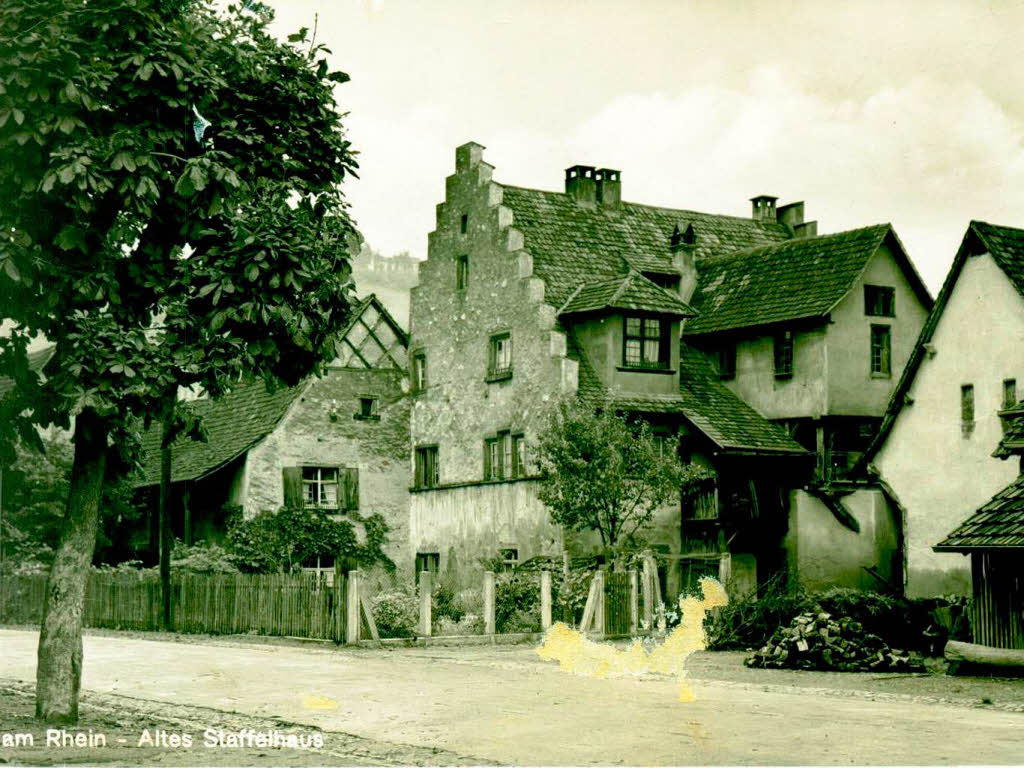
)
(997, 525)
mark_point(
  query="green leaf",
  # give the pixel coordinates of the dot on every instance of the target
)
(70, 237)
(66, 125)
(146, 71)
(12, 270)
(252, 272)
(67, 173)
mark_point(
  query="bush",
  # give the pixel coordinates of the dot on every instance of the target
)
(202, 558)
(569, 596)
(517, 602)
(750, 621)
(396, 613)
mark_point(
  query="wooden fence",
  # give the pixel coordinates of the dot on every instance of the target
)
(297, 605)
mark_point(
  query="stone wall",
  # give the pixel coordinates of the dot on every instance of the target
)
(320, 430)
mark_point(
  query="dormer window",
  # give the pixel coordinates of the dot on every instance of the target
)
(645, 343)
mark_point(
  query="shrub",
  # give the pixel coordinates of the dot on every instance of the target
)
(517, 602)
(750, 621)
(569, 596)
(202, 558)
(446, 604)
(396, 613)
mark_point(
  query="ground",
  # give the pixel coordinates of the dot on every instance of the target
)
(504, 705)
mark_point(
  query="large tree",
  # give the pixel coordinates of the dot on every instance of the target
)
(604, 472)
(170, 216)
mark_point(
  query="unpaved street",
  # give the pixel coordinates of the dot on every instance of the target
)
(505, 705)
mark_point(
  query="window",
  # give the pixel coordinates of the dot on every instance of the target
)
(509, 558)
(367, 408)
(499, 364)
(419, 371)
(427, 473)
(879, 301)
(461, 272)
(727, 361)
(783, 354)
(428, 561)
(1009, 393)
(881, 350)
(645, 343)
(967, 409)
(504, 456)
(464, 223)
(320, 487)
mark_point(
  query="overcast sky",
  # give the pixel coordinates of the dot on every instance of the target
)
(907, 112)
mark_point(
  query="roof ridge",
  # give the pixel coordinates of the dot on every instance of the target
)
(758, 249)
(646, 205)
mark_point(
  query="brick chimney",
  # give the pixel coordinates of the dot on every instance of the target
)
(581, 184)
(683, 247)
(609, 187)
(763, 208)
(791, 216)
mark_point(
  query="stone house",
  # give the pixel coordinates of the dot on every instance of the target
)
(338, 442)
(934, 448)
(528, 296)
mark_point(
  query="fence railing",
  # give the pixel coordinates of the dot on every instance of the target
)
(347, 608)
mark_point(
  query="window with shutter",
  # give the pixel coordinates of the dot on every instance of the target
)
(291, 481)
(350, 487)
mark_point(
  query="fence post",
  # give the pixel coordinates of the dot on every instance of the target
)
(339, 614)
(545, 600)
(648, 586)
(352, 623)
(426, 590)
(599, 624)
(489, 602)
(634, 603)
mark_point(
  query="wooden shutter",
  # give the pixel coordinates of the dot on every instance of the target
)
(291, 480)
(487, 459)
(349, 478)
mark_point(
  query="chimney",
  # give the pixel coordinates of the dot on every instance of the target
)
(609, 187)
(790, 215)
(806, 229)
(683, 246)
(581, 185)
(763, 208)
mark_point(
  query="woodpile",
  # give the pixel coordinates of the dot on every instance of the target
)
(817, 641)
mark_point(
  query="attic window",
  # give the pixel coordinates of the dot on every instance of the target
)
(461, 273)
(727, 361)
(645, 343)
(464, 223)
(783, 354)
(966, 409)
(879, 301)
(368, 408)
(1009, 393)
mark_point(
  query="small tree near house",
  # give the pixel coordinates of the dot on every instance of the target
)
(605, 474)
(172, 217)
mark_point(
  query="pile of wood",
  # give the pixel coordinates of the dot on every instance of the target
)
(817, 641)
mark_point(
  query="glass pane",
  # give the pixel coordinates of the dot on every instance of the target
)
(651, 350)
(330, 474)
(633, 326)
(309, 493)
(652, 328)
(329, 495)
(309, 473)
(632, 352)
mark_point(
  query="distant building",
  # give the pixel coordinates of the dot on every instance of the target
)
(934, 448)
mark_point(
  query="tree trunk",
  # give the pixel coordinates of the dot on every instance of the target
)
(59, 668)
(166, 540)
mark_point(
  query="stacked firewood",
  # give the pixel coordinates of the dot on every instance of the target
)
(817, 641)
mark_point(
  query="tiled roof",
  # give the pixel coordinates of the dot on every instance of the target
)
(631, 292)
(721, 415)
(572, 244)
(234, 424)
(1012, 443)
(799, 278)
(1006, 245)
(998, 524)
(702, 400)
(36, 361)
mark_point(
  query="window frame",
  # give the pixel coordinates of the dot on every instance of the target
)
(461, 272)
(418, 369)
(426, 559)
(494, 372)
(1010, 397)
(967, 409)
(783, 353)
(504, 456)
(463, 223)
(422, 466)
(727, 354)
(508, 564)
(320, 484)
(880, 333)
(885, 294)
(374, 411)
(664, 355)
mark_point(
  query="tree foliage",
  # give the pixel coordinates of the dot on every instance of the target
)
(171, 215)
(600, 472)
(282, 541)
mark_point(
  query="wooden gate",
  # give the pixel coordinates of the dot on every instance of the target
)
(617, 604)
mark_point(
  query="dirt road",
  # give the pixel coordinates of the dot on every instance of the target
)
(505, 705)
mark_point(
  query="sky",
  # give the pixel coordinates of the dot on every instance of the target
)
(903, 112)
